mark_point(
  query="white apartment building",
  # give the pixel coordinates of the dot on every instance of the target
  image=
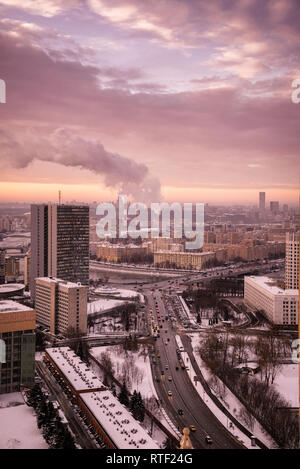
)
(61, 305)
(280, 306)
(292, 261)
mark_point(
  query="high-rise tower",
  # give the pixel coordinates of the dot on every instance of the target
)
(59, 243)
(292, 261)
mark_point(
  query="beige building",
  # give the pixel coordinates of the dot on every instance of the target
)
(61, 305)
(185, 260)
(280, 306)
(118, 252)
(292, 260)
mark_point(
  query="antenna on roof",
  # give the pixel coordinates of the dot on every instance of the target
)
(59, 197)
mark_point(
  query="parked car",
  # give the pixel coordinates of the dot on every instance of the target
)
(208, 440)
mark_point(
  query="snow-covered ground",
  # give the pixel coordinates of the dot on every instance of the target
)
(102, 305)
(259, 433)
(18, 424)
(287, 383)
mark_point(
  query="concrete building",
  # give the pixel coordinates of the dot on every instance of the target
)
(279, 306)
(12, 268)
(17, 341)
(61, 305)
(274, 207)
(59, 243)
(292, 260)
(185, 260)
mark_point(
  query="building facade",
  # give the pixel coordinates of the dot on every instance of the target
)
(17, 340)
(60, 305)
(185, 260)
(279, 306)
(2, 266)
(292, 261)
(59, 243)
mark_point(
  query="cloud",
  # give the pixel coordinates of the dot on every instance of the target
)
(65, 147)
(46, 8)
(203, 137)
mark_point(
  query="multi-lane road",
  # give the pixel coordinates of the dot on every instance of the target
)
(184, 396)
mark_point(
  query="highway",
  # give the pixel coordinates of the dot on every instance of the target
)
(184, 396)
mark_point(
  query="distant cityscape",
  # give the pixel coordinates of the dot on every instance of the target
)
(60, 288)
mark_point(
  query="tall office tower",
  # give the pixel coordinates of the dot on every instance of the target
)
(61, 305)
(59, 243)
(292, 261)
(2, 266)
(274, 207)
(262, 201)
(17, 346)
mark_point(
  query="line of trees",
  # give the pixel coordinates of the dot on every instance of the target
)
(55, 433)
(223, 352)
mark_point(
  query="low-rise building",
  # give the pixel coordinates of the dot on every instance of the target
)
(185, 260)
(280, 306)
(61, 305)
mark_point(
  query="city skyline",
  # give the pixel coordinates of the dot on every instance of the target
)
(177, 101)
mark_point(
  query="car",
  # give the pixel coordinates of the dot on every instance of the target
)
(170, 393)
(192, 428)
(162, 372)
(208, 440)
(167, 367)
(169, 378)
(176, 368)
(166, 343)
(168, 339)
(158, 355)
(180, 412)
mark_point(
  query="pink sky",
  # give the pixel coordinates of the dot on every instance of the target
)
(186, 100)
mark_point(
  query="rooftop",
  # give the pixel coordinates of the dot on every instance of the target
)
(11, 287)
(9, 306)
(271, 285)
(114, 418)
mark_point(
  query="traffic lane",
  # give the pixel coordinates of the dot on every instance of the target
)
(168, 357)
(184, 385)
(194, 415)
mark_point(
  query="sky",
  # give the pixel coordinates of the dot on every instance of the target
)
(177, 100)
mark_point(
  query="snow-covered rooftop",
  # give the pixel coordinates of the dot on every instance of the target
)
(11, 287)
(270, 285)
(10, 306)
(77, 373)
(114, 418)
